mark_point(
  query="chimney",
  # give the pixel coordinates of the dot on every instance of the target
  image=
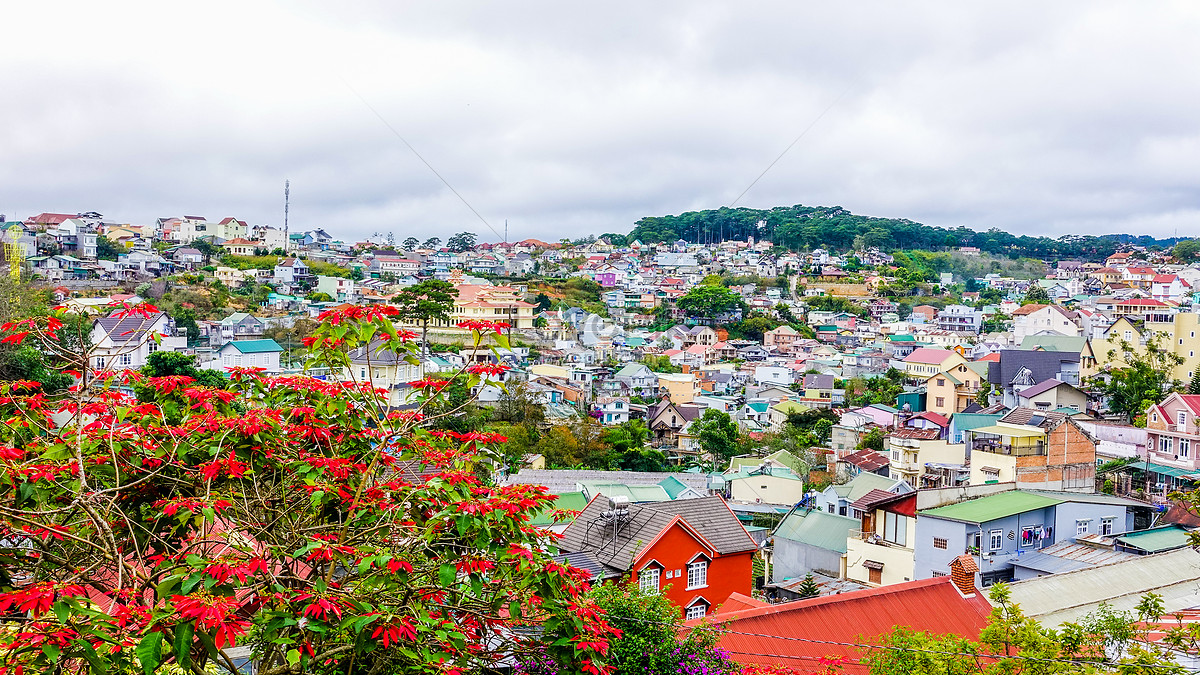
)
(962, 573)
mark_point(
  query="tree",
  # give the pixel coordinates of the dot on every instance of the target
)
(519, 404)
(709, 301)
(411, 243)
(1187, 251)
(207, 249)
(107, 249)
(717, 434)
(1194, 385)
(1036, 295)
(1142, 381)
(542, 302)
(425, 302)
(984, 396)
(808, 587)
(463, 241)
(652, 639)
(432, 242)
(176, 364)
(872, 440)
(298, 517)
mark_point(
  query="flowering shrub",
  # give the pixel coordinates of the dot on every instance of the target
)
(298, 517)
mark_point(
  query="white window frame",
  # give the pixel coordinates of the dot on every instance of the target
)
(996, 540)
(649, 580)
(1185, 447)
(697, 574)
(696, 611)
(1082, 526)
(1106, 526)
(1181, 417)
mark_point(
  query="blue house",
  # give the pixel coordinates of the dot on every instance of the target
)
(999, 528)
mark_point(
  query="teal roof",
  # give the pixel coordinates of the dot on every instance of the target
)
(1161, 469)
(970, 421)
(568, 501)
(885, 408)
(861, 485)
(902, 338)
(781, 457)
(1157, 539)
(993, 507)
(256, 346)
(758, 406)
(673, 486)
(751, 471)
(817, 528)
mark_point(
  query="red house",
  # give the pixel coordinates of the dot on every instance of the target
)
(693, 550)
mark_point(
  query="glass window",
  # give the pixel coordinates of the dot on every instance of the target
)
(648, 580)
(1106, 526)
(895, 528)
(996, 540)
(1164, 445)
(1081, 526)
(696, 612)
(698, 574)
(1181, 417)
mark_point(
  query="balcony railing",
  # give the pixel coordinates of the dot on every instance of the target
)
(998, 448)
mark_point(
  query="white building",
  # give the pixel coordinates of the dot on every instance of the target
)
(126, 343)
(247, 354)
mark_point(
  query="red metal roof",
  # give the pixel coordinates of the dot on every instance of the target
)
(799, 633)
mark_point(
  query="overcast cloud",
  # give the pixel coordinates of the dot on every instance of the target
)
(569, 118)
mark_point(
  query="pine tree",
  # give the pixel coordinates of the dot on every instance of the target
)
(808, 588)
(1194, 385)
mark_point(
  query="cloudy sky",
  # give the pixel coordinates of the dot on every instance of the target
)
(568, 118)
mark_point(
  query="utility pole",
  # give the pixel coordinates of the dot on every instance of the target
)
(287, 193)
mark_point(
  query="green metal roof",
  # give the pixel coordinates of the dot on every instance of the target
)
(256, 346)
(817, 528)
(758, 406)
(1157, 539)
(1054, 343)
(750, 472)
(567, 501)
(861, 485)
(972, 421)
(673, 486)
(986, 509)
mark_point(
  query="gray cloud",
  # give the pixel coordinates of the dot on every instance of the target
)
(566, 119)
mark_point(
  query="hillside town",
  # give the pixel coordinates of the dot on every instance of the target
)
(795, 444)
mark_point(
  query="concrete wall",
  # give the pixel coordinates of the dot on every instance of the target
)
(935, 497)
(795, 559)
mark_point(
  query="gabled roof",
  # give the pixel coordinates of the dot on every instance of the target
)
(931, 355)
(130, 329)
(1041, 388)
(255, 346)
(807, 631)
(709, 517)
(1042, 364)
(817, 528)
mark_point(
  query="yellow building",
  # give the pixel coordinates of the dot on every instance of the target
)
(952, 390)
(681, 387)
(484, 302)
(881, 553)
(1179, 334)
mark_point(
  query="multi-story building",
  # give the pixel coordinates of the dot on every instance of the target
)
(1036, 449)
(1172, 443)
(960, 318)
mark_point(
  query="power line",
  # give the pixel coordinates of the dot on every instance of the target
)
(888, 647)
(789, 147)
(418, 155)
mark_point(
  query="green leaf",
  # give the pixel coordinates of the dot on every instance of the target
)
(447, 574)
(183, 643)
(293, 657)
(191, 583)
(149, 652)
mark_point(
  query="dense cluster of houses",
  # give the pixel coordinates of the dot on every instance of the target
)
(990, 467)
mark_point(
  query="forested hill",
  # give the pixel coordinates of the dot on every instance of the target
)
(832, 227)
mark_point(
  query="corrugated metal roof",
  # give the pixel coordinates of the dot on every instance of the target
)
(568, 501)
(1156, 540)
(862, 484)
(1057, 598)
(933, 605)
(985, 509)
(817, 528)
